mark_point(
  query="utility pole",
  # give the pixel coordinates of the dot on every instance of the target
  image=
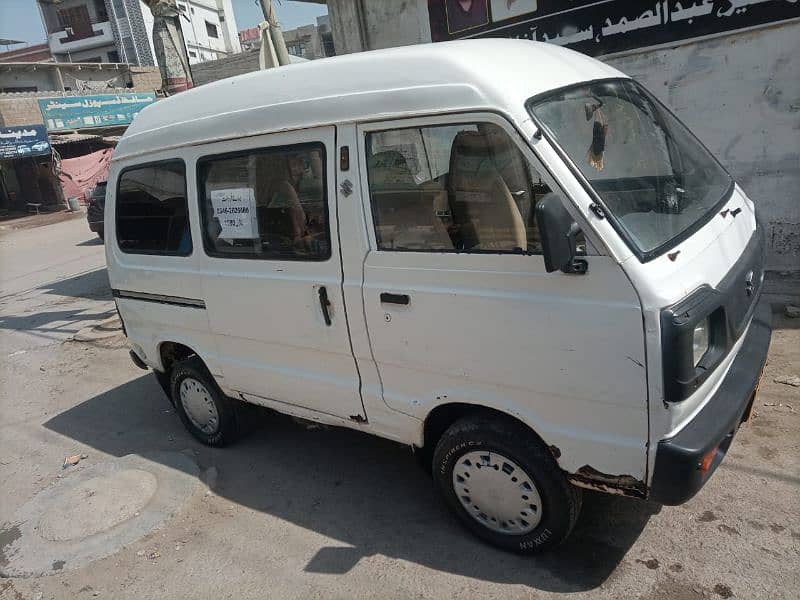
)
(273, 47)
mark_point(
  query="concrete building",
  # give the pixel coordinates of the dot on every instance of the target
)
(78, 30)
(19, 80)
(209, 28)
(311, 41)
(308, 41)
(121, 31)
(133, 32)
(729, 70)
(32, 176)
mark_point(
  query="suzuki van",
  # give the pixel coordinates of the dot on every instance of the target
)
(505, 254)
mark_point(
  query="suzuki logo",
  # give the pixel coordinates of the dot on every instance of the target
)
(748, 284)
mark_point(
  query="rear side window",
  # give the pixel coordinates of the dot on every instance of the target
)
(266, 204)
(151, 210)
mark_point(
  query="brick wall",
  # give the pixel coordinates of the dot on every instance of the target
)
(19, 109)
(213, 70)
(146, 79)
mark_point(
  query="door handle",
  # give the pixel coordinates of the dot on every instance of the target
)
(324, 303)
(388, 298)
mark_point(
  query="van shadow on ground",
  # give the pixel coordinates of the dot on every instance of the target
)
(92, 285)
(359, 489)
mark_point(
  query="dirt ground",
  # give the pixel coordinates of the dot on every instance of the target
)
(326, 513)
(29, 221)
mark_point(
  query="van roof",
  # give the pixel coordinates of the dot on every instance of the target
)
(486, 74)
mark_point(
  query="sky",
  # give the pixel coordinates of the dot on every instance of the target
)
(20, 20)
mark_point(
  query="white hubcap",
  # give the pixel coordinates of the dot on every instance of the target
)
(497, 493)
(199, 405)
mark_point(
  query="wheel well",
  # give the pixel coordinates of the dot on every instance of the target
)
(443, 416)
(172, 352)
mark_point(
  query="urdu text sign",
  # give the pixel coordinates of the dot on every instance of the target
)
(25, 140)
(103, 110)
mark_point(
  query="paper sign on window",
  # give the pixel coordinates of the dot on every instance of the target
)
(235, 209)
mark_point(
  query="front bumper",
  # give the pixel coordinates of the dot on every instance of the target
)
(678, 474)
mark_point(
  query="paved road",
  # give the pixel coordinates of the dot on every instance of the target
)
(296, 513)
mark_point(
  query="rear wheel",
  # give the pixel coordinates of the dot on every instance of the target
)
(504, 485)
(206, 412)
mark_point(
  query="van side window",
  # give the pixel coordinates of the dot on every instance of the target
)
(151, 211)
(268, 204)
(454, 188)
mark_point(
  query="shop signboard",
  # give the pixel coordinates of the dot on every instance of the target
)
(597, 27)
(23, 140)
(83, 112)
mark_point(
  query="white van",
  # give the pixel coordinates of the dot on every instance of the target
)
(505, 254)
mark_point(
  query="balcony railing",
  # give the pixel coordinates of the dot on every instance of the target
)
(55, 24)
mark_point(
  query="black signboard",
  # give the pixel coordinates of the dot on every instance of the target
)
(24, 140)
(601, 27)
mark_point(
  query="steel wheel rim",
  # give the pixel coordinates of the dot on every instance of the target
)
(199, 406)
(497, 493)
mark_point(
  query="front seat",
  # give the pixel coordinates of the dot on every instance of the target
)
(484, 211)
(404, 214)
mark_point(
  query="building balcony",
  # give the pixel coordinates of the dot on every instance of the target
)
(65, 40)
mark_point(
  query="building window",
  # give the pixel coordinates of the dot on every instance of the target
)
(296, 49)
(13, 90)
(457, 188)
(100, 9)
(113, 56)
(211, 30)
(151, 211)
(266, 204)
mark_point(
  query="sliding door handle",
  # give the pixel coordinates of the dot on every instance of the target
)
(389, 298)
(324, 303)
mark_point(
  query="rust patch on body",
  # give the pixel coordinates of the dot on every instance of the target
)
(624, 485)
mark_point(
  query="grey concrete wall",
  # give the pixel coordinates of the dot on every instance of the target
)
(740, 94)
(359, 25)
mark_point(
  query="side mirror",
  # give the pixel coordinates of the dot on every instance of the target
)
(558, 231)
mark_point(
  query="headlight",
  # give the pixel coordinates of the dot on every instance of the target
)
(700, 341)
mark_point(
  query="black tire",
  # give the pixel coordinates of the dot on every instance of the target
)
(227, 426)
(101, 234)
(560, 501)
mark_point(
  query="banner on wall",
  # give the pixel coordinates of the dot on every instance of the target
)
(102, 110)
(25, 140)
(601, 27)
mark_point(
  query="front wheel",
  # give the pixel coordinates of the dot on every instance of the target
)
(504, 485)
(206, 412)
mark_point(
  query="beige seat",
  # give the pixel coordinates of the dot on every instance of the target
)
(404, 213)
(484, 211)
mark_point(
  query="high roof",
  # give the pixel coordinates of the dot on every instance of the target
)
(444, 77)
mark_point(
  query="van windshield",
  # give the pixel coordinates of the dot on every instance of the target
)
(653, 176)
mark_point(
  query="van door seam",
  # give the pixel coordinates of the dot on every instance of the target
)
(365, 196)
(342, 273)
